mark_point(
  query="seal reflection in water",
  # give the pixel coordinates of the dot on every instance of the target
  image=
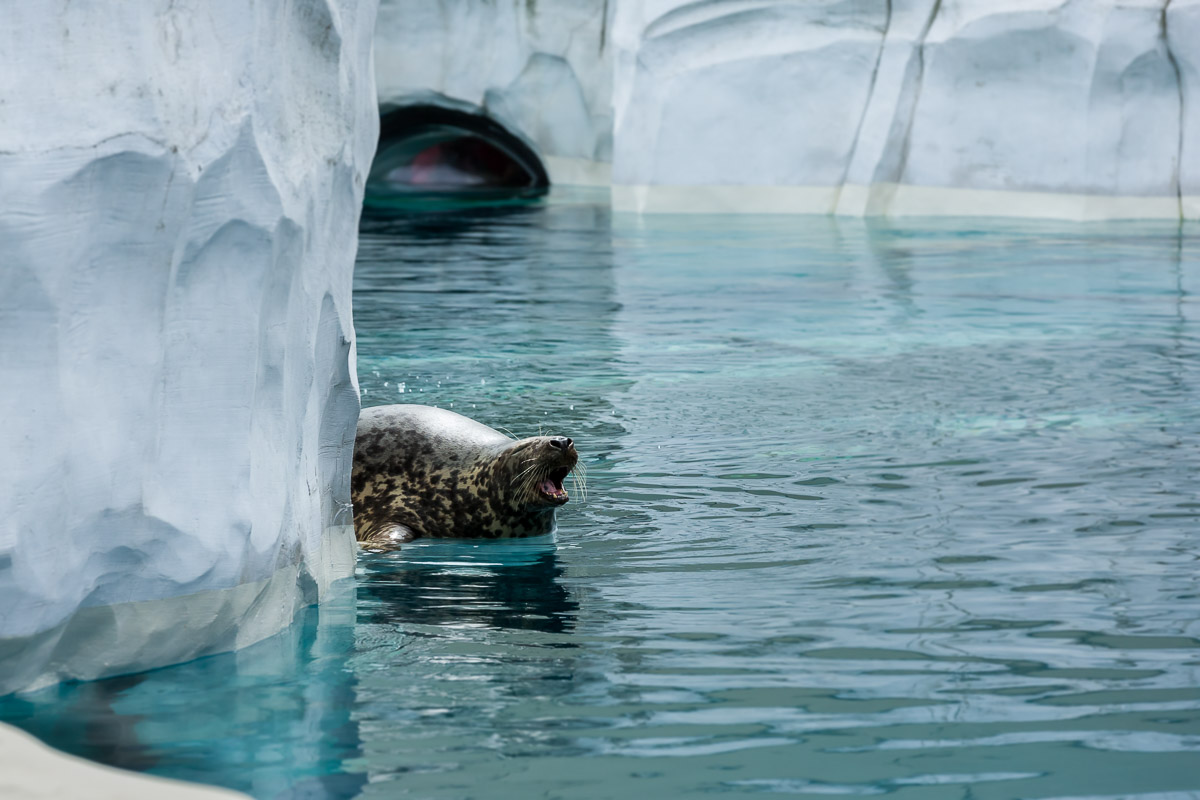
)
(422, 471)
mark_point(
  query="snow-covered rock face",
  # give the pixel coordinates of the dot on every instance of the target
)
(542, 68)
(179, 195)
(910, 106)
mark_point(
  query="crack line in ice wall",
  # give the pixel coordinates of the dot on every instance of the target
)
(887, 24)
(1178, 178)
(906, 143)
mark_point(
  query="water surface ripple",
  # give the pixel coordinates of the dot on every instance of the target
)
(874, 509)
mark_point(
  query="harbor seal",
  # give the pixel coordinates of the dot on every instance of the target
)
(422, 471)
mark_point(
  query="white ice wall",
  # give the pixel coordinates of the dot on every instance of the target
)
(180, 186)
(1063, 108)
(540, 67)
(1069, 108)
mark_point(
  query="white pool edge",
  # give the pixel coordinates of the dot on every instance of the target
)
(32, 770)
(898, 200)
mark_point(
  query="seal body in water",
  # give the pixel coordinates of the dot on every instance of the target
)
(422, 471)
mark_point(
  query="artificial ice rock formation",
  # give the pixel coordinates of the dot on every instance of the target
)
(1062, 108)
(1075, 108)
(180, 186)
(542, 69)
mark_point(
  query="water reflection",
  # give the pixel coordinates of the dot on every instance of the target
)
(502, 585)
(446, 221)
(85, 721)
(273, 720)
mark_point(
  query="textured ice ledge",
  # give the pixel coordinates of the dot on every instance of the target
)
(178, 215)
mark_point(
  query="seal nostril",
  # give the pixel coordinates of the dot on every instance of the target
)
(569, 443)
(560, 443)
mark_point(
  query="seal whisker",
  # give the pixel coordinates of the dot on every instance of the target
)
(529, 487)
(579, 474)
(524, 472)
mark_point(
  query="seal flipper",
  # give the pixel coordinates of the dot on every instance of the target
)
(386, 536)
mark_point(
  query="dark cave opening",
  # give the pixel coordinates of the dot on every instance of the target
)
(431, 157)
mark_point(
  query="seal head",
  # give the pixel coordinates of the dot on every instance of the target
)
(422, 471)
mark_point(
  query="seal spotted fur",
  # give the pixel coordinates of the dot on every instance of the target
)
(422, 471)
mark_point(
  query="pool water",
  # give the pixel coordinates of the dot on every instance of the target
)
(908, 509)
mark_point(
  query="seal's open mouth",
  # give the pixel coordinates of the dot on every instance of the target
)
(551, 487)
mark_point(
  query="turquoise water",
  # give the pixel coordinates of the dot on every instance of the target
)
(907, 510)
